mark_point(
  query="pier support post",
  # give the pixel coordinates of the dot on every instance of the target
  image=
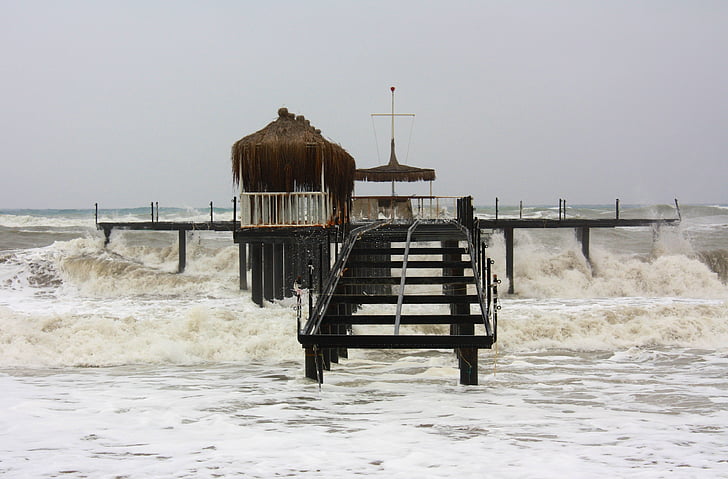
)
(314, 364)
(508, 233)
(582, 234)
(268, 261)
(278, 276)
(243, 265)
(182, 251)
(468, 359)
(256, 272)
(289, 276)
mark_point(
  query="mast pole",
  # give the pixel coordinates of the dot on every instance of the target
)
(392, 88)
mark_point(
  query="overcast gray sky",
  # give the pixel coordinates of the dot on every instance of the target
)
(126, 102)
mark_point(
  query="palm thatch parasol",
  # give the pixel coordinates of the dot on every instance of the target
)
(394, 171)
(288, 155)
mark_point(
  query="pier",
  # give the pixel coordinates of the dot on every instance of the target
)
(391, 263)
(581, 226)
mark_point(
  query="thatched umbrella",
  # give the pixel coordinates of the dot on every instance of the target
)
(394, 171)
(288, 155)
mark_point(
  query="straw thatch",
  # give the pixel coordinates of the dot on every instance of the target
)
(288, 155)
(394, 171)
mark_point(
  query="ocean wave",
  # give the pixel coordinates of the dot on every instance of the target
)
(197, 335)
(616, 326)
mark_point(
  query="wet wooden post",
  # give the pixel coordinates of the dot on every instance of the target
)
(508, 233)
(243, 265)
(289, 275)
(278, 277)
(582, 234)
(330, 355)
(268, 261)
(467, 357)
(256, 272)
(182, 261)
(314, 364)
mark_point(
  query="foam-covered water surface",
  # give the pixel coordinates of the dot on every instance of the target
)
(114, 365)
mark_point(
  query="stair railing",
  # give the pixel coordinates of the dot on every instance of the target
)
(400, 298)
(484, 307)
(322, 303)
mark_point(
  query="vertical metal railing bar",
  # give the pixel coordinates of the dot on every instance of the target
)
(400, 298)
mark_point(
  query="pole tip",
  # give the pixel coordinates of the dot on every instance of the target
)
(392, 88)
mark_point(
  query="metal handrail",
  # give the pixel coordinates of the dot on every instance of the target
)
(400, 298)
(484, 308)
(314, 321)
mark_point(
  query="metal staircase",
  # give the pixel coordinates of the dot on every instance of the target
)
(439, 275)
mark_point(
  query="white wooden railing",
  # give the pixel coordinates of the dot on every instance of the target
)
(404, 207)
(285, 209)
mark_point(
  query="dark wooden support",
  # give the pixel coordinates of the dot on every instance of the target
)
(268, 261)
(314, 364)
(107, 236)
(288, 277)
(508, 233)
(468, 359)
(279, 279)
(256, 272)
(582, 234)
(243, 265)
(182, 251)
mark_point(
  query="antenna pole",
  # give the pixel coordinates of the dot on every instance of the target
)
(392, 88)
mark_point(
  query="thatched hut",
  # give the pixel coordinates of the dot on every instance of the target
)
(289, 155)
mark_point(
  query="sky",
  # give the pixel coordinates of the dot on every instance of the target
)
(122, 103)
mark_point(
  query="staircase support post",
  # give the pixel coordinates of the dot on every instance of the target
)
(313, 364)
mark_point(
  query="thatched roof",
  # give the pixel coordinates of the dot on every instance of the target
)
(288, 155)
(394, 171)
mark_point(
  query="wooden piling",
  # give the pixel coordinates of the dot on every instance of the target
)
(268, 262)
(182, 261)
(583, 234)
(256, 272)
(313, 364)
(278, 276)
(467, 357)
(508, 233)
(289, 275)
(243, 265)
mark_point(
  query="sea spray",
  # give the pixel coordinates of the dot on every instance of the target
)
(545, 269)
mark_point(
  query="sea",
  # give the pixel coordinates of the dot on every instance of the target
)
(113, 365)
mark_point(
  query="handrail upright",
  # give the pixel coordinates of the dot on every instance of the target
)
(400, 298)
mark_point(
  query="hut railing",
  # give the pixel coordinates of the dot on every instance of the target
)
(310, 208)
(404, 207)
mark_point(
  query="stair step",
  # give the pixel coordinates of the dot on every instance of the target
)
(400, 251)
(410, 264)
(351, 280)
(386, 341)
(407, 299)
(404, 319)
